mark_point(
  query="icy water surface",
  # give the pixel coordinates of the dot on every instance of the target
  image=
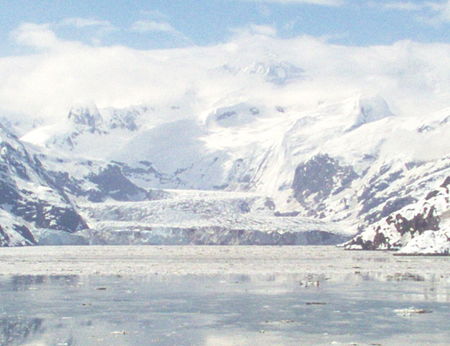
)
(355, 300)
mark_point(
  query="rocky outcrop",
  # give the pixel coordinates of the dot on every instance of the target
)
(124, 120)
(107, 181)
(87, 119)
(112, 183)
(29, 198)
(426, 216)
(318, 179)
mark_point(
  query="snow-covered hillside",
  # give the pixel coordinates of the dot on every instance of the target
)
(28, 196)
(349, 163)
(418, 228)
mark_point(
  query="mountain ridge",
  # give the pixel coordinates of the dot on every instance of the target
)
(341, 162)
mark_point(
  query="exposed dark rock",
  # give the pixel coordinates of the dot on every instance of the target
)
(269, 204)
(396, 204)
(288, 214)
(89, 120)
(13, 160)
(426, 220)
(244, 207)
(69, 184)
(124, 120)
(111, 182)
(404, 223)
(446, 182)
(8, 192)
(319, 178)
(374, 195)
(225, 115)
(4, 238)
(148, 170)
(41, 204)
(379, 241)
(25, 233)
(432, 194)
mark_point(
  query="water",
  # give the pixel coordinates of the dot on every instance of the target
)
(302, 307)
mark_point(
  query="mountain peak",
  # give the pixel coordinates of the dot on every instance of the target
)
(87, 118)
(279, 73)
(369, 109)
(275, 72)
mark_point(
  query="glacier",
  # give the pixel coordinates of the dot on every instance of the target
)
(233, 171)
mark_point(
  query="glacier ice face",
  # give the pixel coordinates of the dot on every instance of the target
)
(203, 218)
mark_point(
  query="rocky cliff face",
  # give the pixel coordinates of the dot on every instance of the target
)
(318, 179)
(29, 198)
(426, 219)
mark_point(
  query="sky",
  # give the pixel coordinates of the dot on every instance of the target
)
(56, 53)
(177, 23)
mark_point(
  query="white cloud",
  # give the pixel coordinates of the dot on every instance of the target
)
(43, 36)
(155, 15)
(98, 29)
(82, 22)
(404, 6)
(264, 30)
(444, 13)
(413, 77)
(35, 35)
(433, 13)
(152, 26)
(311, 2)
(253, 29)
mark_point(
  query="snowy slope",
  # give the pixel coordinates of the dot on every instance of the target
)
(28, 196)
(421, 227)
(349, 163)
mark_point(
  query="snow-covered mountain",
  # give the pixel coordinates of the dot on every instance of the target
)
(420, 227)
(278, 73)
(29, 197)
(351, 164)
